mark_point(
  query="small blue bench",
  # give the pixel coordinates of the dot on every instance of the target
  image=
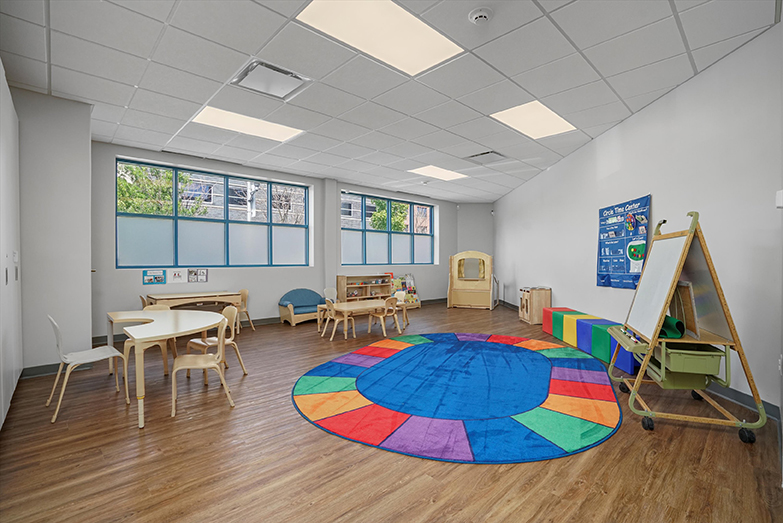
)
(299, 305)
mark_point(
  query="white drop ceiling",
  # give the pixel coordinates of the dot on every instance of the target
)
(149, 67)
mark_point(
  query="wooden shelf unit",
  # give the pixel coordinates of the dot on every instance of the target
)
(364, 287)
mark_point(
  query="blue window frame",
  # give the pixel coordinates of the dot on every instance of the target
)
(384, 231)
(218, 220)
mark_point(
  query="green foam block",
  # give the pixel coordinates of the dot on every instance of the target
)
(601, 343)
(557, 322)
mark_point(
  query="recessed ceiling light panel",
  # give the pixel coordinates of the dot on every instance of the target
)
(534, 119)
(437, 172)
(381, 29)
(245, 124)
(267, 79)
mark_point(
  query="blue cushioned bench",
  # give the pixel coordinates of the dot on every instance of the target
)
(299, 305)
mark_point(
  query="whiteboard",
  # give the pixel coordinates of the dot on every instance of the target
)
(660, 272)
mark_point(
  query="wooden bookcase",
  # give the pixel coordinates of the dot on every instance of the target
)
(365, 287)
(532, 303)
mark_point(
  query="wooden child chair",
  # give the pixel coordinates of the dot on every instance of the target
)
(389, 309)
(331, 315)
(204, 344)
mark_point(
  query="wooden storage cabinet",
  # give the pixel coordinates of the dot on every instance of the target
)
(532, 302)
(365, 287)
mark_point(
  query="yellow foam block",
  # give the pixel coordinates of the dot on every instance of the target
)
(569, 326)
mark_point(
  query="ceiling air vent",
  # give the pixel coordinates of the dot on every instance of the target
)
(486, 158)
(270, 80)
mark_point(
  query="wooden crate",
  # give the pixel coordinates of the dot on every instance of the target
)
(532, 303)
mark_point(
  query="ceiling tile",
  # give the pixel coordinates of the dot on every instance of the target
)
(30, 10)
(101, 128)
(716, 21)
(373, 115)
(708, 55)
(524, 151)
(380, 158)
(190, 53)
(313, 141)
(148, 147)
(330, 160)
(406, 149)
(154, 122)
(297, 117)
(326, 99)
(636, 103)
(286, 8)
(302, 51)
(90, 87)
(235, 153)
(417, 6)
(411, 98)
(497, 97)
(444, 161)
(406, 165)
(108, 112)
(376, 140)
(22, 38)
(181, 143)
(552, 5)
(164, 105)
(364, 77)
(292, 151)
(341, 130)
(242, 101)
(666, 73)
(451, 19)
(598, 130)
(684, 5)
(478, 128)
(409, 128)
(272, 161)
(590, 22)
(439, 139)
(641, 47)
(239, 24)
(503, 139)
(560, 75)
(541, 41)
(565, 143)
(350, 150)
(141, 136)
(466, 149)
(24, 71)
(157, 9)
(253, 143)
(97, 60)
(207, 133)
(580, 98)
(106, 24)
(599, 115)
(357, 165)
(514, 167)
(543, 159)
(449, 114)
(173, 82)
(461, 76)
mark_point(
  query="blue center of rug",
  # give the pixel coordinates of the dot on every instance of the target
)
(459, 380)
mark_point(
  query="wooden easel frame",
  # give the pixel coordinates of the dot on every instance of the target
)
(645, 347)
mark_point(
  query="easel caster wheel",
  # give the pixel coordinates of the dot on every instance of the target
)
(624, 388)
(695, 395)
(647, 423)
(747, 436)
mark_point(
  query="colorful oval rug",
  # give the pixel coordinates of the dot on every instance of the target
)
(467, 398)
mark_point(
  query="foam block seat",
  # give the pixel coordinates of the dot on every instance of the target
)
(584, 332)
(569, 327)
(604, 346)
(299, 305)
(547, 317)
(557, 321)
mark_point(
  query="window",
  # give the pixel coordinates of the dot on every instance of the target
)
(218, 220)
(379, 231)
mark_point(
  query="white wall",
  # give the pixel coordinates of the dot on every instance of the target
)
(11, 356)
(476, 227)
(712, 145)
(54, 165)
(119, 289)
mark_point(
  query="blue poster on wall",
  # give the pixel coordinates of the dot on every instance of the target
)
(622, 243)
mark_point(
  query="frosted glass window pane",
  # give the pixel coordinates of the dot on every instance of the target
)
(200, 195)
(201, 243)
(247, 200)
(248, 244)
(144, 241)
(401, 248)
(352, 247)
(422, 249)
(377, 247)
(288, 246)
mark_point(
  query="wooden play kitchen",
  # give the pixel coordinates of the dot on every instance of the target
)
(532, 301)
(679, 278)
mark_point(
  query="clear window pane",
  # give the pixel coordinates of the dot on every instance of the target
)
(377, 247)
(144, 241)
(142, 189)
(247, 200)
(422, 249)
(421, 219)
(248, 244)
(350, 211)
(201, 243)
(376, 214)
(200, 195)
(288, 245)
(401, 248)
(401, 217)
(352, 247)
(288, 204)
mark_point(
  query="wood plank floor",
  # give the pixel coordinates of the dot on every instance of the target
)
(261, 462)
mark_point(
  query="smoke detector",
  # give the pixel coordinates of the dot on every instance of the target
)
(480, 16)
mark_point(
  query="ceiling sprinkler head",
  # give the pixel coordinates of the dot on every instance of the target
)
(480, 16)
